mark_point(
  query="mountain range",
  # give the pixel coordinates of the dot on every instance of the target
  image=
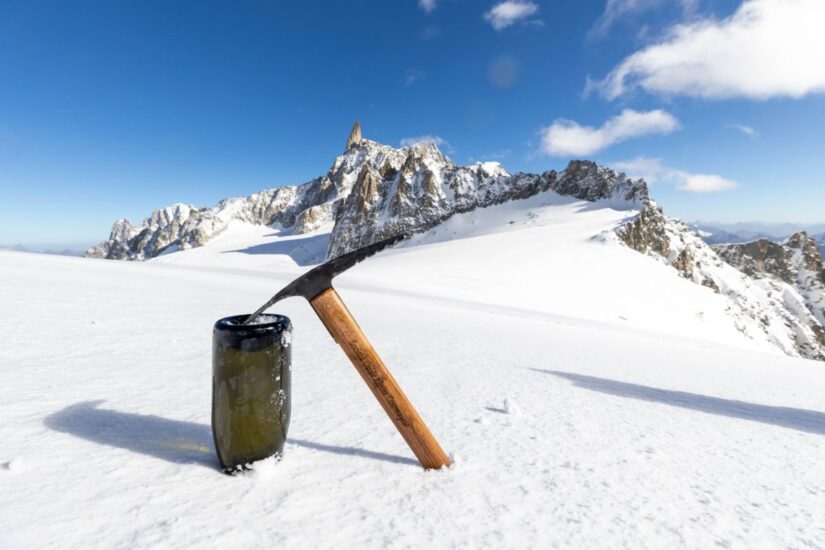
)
(742, 232)
(773, 292)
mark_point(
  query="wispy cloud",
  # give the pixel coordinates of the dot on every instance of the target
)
(653, 171)
(766, 49)
(412, 75)
(494, 156)
(617, 10)
(568, 138)
(427, 5)
(427, 138)
(506, 13)
(747, 130)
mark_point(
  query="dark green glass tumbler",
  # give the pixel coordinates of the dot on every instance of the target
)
(251, 384)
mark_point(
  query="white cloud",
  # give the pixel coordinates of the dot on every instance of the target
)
(427, 5)
(747, 130)
(427, 138)
(704, 183)
(504, 14)
(495, 156)
(411, 76)
(653, 171)
(569, 138)
(767, 48)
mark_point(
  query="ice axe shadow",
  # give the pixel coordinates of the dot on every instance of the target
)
(174, 441)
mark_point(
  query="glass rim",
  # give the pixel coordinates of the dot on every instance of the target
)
(233, 323)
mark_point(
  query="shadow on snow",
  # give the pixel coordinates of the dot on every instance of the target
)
(171, 440)
(796, 419)
(303, 251)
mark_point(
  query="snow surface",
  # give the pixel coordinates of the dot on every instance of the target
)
(590, 399)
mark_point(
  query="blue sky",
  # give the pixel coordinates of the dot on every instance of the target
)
(111, 109)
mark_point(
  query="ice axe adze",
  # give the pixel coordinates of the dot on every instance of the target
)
(316, 286)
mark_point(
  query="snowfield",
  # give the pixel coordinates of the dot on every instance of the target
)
(590, 398)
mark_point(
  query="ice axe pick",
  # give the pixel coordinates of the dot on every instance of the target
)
(316, 286)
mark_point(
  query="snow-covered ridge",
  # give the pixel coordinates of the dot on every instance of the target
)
(427, 188)
(774, 291)
(370, 192)
(796, 262)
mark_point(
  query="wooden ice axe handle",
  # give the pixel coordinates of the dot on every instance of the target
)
(343, 328)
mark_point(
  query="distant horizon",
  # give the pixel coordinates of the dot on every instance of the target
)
(757, 222)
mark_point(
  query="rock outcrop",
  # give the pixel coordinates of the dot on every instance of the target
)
(797, 262)
(354, 136)
(760, 280)
(424, 188)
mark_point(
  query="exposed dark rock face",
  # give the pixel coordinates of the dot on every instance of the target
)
(426, 188)
(354, 137)
(647, 233)
(810, 258)
(758, 258)
(796, 262)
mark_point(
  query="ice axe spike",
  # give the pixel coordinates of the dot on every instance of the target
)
(316, 286)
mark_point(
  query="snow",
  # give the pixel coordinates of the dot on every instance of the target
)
(245, 245)
(511, 407)
(590, 397)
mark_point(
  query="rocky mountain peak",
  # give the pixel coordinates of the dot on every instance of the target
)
(759, 258)
(354, 136)
(811, 256)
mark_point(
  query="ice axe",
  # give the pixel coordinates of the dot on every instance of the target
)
(316, 286)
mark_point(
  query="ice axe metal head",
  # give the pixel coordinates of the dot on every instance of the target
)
(315, 281)
(316, 286)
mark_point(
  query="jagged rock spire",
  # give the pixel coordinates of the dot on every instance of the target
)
(354, 136)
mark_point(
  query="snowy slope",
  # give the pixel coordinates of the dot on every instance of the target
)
(548, 252)
(787, 314)
(646, 419)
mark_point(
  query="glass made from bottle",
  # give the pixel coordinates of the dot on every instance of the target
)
(251, 385)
